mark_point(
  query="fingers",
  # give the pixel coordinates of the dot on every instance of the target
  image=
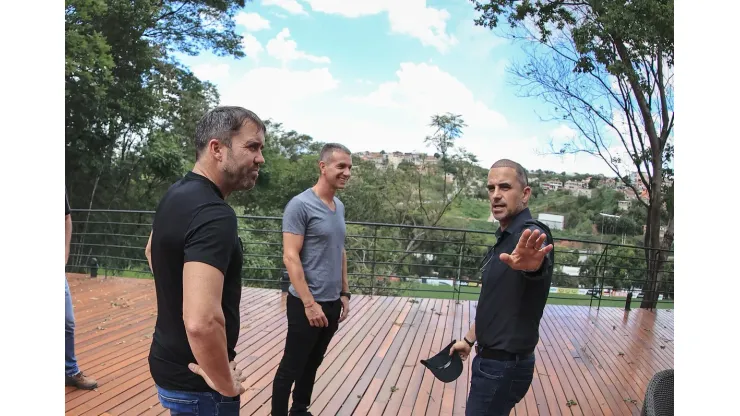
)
(196, 369)
(547, 249)
(324, 320)
(506, 258)
(524, 239)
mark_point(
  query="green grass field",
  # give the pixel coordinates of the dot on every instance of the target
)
(471, 293)
(421, 290)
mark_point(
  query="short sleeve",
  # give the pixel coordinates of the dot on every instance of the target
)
(295, 218)
(212, 237)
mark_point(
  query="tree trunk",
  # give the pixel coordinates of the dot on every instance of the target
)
(652, 237)
(665, 247)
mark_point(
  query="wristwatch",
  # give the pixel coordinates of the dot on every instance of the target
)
(469, 343)
(348, 295)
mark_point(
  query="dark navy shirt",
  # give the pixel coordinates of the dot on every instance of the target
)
(511, 302)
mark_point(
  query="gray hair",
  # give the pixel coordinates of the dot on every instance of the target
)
(223, 123)
(521, 173)
(329, 149)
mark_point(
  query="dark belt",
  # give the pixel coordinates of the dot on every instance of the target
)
(500, 355)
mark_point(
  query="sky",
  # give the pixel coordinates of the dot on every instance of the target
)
(370, 74)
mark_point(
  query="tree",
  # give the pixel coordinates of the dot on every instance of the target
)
(127, 97)
(448, 128)
(606, 69)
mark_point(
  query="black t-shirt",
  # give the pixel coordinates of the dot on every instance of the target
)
(192, 223)
(511, 302)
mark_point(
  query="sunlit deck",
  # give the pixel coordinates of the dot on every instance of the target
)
(589, 362)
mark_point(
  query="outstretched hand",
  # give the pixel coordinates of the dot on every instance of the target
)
(529, 251)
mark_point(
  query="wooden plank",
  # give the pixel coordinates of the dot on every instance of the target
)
(378, 348)
(350, 332)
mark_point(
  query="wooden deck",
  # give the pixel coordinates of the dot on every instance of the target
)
(588, 362)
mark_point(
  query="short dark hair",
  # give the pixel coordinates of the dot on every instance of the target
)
(329, 148)
(521, 173)
(223, 123)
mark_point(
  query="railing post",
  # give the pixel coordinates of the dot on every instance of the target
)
(603, 276)
(284, 281)
(627, 304)
(93, 268)
(372, 272)
(459, 269)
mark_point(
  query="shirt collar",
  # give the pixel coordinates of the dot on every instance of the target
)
(192, 175)
(516, 223)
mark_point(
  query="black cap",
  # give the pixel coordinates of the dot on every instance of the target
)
(445, 367)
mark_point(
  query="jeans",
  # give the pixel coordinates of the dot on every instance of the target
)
(497, 386)
(70, 361)
(305, 347)
(194, 403)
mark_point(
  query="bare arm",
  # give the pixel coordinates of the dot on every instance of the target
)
(148, 251)
(205, 324)
(292, 244)
(471, 333)
(67, 236)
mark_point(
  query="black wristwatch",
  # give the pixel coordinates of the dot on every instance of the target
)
(346, 294)
(469, 342)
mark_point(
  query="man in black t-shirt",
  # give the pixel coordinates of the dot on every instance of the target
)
(73, 375)
(516, 276)
(196, 257)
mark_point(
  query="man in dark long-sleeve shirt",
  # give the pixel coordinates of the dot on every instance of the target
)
(516, 276)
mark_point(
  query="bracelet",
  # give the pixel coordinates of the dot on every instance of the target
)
(469, 342)
(308, 306)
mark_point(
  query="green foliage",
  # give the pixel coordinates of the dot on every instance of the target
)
(130, 106)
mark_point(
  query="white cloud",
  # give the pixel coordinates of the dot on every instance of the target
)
(424, 89)
(286, 49)
(251, 46)
(277, 93)
(581, 162)
(563, 133)
(408, 17)
(477, 41)
(290, 6)
(253, 22)
(211, 72)
(394, 116)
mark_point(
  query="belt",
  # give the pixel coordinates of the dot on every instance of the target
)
(501, 355)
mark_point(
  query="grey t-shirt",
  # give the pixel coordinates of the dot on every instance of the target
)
(323, 232)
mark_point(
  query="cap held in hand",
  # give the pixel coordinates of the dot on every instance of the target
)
(445, 367)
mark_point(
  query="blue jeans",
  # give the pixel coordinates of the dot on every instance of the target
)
(70, 361)
(192, 403)
(497, 386)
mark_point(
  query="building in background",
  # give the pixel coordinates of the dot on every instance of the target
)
(555, 222)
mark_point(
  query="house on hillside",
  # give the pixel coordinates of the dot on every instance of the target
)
(551, 186)
(583, 191)
(555, 222)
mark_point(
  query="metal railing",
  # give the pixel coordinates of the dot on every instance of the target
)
(383, 259)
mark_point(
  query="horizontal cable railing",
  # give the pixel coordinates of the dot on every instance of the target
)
(387, 259)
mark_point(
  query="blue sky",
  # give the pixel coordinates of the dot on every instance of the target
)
(370, 74)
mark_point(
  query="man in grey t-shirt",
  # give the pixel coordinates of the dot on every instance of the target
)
(318, 298)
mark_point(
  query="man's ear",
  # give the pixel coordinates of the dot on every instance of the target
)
(216, 148)
(527, 194)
